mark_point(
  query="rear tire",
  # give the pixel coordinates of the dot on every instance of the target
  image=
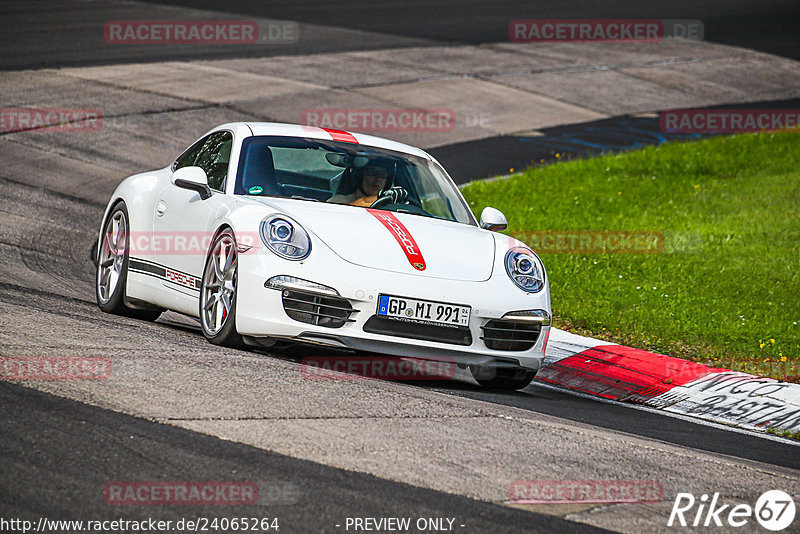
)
(218, 293)
(502, 378)
(112, 267)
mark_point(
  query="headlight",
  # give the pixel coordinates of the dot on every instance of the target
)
(285, 237)
(524, 269)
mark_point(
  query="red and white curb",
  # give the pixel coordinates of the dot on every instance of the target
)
(625, 374)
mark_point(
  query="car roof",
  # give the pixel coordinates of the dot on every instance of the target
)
(328, 134)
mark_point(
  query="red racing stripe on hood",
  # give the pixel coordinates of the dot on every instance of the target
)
(402, 236)
(341, 135)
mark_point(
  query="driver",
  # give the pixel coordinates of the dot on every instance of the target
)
(373, 179)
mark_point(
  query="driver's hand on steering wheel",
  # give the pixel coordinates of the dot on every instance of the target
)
(397, 194)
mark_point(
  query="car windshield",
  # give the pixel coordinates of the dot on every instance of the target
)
(347, 173)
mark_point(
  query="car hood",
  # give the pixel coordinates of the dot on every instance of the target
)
(373, 238)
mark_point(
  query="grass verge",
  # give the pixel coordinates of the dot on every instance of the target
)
(722, 286)
(791, 434)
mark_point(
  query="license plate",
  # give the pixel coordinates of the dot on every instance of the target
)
(423, 311)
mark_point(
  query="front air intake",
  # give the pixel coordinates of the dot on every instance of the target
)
(330, 312)
(501, 334)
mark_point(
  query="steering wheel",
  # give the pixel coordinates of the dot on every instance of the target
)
(385, 199)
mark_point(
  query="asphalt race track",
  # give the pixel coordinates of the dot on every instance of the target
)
(321, 451)
(89, 446)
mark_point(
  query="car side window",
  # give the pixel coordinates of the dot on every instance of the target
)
(188, 158)
(214, 158)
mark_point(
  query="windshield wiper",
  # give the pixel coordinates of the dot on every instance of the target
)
(298, 197)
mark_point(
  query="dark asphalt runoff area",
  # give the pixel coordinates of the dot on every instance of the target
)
(769, 26)
(66, 33)
(493, 156)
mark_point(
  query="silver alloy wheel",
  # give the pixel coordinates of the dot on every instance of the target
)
(112, 255)
(219, 285)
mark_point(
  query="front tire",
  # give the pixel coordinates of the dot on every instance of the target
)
(502, 378)
(112, 267)
(218, 293)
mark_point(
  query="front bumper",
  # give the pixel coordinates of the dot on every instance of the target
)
(260, 310)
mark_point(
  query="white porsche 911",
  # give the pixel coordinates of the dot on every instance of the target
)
(276, 234)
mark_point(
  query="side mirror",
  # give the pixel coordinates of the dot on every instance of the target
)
(493, 219)
(193, 179)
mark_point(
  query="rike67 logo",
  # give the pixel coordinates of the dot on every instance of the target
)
(774, 510)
